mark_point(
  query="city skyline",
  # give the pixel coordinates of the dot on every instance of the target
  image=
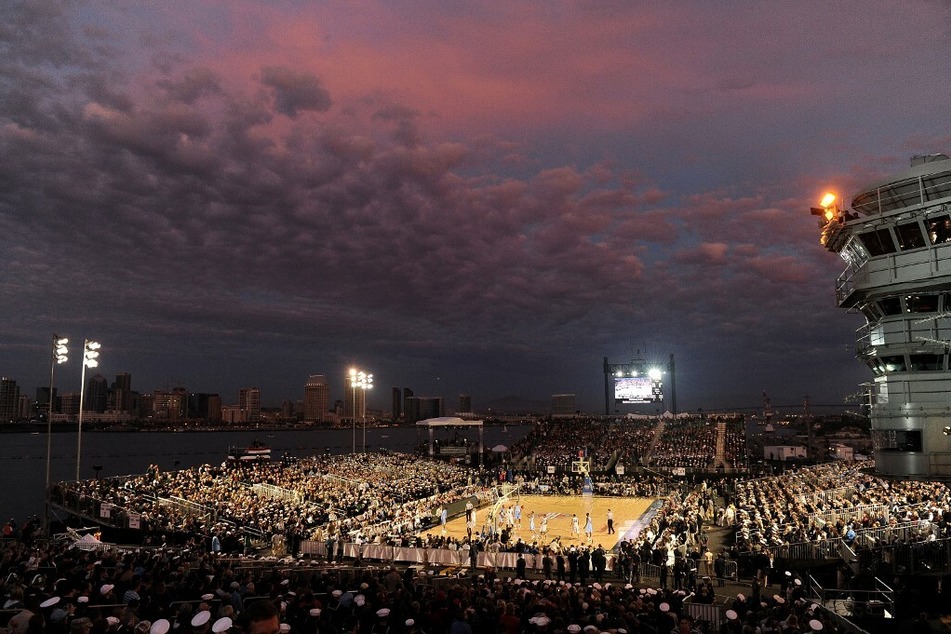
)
(483, 198)
(314, 403)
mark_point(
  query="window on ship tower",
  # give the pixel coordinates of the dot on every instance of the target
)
(939, 229)
(909, 236)
(878, 242)
(921, 303)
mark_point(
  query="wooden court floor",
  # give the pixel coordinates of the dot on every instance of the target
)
(559, 509)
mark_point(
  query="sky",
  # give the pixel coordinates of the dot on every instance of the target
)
(460, 197)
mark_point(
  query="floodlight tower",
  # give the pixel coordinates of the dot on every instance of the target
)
(60, 356)
(90, 360)
(895, 238)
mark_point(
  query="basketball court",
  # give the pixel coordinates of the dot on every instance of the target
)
(559, 510)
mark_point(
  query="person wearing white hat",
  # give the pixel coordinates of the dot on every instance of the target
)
(20, 621)
(382, 625)
(200, 620)
(162, 626)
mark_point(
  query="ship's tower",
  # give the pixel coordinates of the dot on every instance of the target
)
(895, 237)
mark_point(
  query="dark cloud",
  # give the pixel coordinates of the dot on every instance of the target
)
(211, 229)
(194, 84)
(295, 91)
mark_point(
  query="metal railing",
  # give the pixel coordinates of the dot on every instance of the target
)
(274, 492)
(187, 508)
(878, 600)
(848, 513)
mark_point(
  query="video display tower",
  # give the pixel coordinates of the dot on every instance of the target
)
(637, 382)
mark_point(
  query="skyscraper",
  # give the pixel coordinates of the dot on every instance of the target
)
(249, 402)
(423, 407)
(122, 389)
(9, 400)
(397, 404)
(97, 394)
(287, 409)
(407, 394)
(562, 405)
(43, 400)
(316, 398)
(69, 404)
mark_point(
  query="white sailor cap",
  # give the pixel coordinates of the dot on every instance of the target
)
(162, 626)
(201, 618)
(50, 602)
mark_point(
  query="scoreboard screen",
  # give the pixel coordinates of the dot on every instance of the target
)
(640, 389)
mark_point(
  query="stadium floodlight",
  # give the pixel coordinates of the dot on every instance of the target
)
(60, 351)
(654, 374)
(90, 360)
(946, 431)
(827, 200)
(91, 354)
(363, 381)
(60, 355)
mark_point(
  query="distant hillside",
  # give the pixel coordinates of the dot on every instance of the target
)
(512, 405)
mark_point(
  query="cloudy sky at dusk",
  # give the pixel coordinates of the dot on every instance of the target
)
(471, 197)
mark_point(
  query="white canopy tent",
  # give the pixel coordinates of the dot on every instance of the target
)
(449, 422)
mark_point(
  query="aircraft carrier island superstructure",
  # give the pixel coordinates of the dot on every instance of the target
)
(895, 237)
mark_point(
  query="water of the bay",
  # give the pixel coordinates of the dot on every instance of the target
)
(23, 457)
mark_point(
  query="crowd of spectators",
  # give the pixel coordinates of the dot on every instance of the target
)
(190, 592)
(361, 493)
(632, 440)
(837, 500)
(686, 443)
(390, 498)
(734, 441)
(557, 442)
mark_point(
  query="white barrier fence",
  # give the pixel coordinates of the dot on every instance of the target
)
(431, 556)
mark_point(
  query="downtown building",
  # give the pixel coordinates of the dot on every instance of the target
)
(249, 404)
(316, 399)
(9, 400)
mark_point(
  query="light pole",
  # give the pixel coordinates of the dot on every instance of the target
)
(364, 381)
(366, 384)
(60, 355)
(90, 360)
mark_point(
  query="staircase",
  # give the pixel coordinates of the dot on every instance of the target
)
(658, 433)
(719, 456)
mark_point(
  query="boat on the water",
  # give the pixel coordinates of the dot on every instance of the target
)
(255, 452)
